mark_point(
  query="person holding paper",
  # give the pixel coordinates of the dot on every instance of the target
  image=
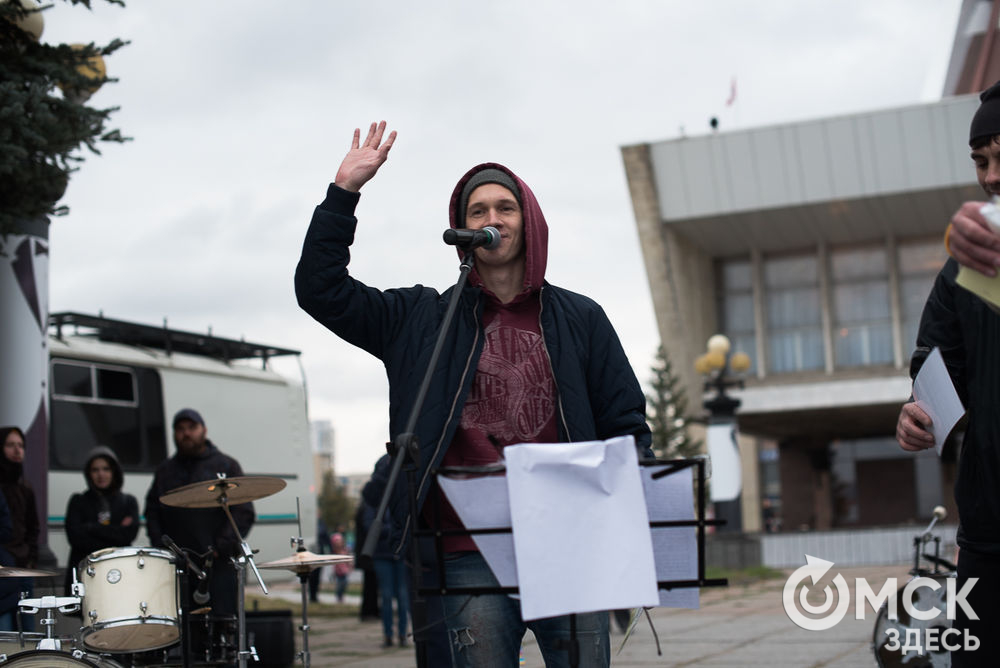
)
(525, 362)
(967, 331)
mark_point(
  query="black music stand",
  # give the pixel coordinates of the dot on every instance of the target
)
(700, 522)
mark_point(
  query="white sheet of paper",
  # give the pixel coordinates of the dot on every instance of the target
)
(481, 503)
(675, 549)
(935, 394)
(727, 478)
(581, 529)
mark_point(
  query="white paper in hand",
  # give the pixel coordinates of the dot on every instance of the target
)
(935, 394)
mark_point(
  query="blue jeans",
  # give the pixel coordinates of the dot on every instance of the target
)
(393, 583)
(486, 630)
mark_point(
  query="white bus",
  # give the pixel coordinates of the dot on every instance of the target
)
(118, 384)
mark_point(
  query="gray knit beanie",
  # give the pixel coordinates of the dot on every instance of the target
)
(488, 175)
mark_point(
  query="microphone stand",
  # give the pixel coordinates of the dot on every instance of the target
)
(406, 443)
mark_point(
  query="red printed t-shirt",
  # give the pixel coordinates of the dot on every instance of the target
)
(512, 400)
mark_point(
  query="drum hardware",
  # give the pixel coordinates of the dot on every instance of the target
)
(14, 642)
(64, 604)
(222, 492)
(302, 563)
(47, 658)
(924, 598)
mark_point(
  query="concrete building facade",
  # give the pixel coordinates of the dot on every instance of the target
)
(813, 247)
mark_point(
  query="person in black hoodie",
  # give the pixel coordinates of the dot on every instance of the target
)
(103, 516)
(526, 362)
(966, 330)
(22, 545)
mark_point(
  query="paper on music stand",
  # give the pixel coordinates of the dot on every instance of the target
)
(675, 549)
(481, 503)
(935, 394)
(581, 530)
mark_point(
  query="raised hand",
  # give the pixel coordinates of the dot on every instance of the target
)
(363, 160)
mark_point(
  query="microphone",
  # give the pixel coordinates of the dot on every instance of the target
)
(201, 595)
(488, 238)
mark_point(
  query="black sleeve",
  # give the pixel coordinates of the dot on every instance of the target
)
(940, 327)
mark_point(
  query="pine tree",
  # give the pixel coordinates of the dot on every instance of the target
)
(43, 118)
(666, 412)
(335, 507)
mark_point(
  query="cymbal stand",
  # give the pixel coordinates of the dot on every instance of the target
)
(300, 546)
(241, 570)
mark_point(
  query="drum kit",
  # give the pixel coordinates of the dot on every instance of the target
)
(131, 607)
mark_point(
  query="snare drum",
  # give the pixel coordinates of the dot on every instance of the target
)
(130, 599)
(888, 631)
(45, 658)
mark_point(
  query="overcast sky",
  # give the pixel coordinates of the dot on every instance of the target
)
(241, 111)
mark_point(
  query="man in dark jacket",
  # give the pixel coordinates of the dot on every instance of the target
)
(967, 331)
(527, 362)
(202, 531)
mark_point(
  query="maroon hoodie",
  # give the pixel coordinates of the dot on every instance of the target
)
(513, 394)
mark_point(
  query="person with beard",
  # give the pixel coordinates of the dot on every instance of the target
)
(526, 362)
(102, 516)
(204, 532)
(22, 546)
(966, 329)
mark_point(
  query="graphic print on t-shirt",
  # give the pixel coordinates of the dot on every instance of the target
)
(512, 396)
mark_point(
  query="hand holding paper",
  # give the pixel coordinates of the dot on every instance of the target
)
(935, 394)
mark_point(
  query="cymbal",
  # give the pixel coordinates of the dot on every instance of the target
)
(306, 561)
(12, 572)
(210, 493)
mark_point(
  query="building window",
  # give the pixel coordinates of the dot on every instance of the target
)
(919, 263)
(792, 305)
(736, 308)
(862, 313)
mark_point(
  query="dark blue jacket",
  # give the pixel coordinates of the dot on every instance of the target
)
(598, 394)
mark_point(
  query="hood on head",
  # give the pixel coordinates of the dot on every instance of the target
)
(117, 477)
(536, 230)
(11, 471)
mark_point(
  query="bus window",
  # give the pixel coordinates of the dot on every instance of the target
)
(116, 406)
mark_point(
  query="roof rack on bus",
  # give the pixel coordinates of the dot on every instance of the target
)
(164, 338)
